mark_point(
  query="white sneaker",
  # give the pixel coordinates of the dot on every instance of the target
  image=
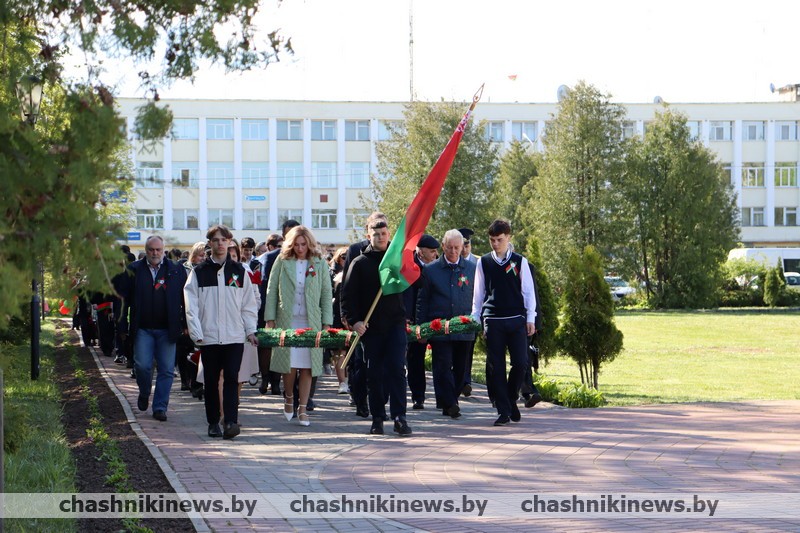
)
(328, 370)
(343, 388)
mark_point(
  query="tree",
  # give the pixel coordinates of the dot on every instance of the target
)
(515, 181)
(548, 304)
(65, 179)
(685, 216)
(587, 332)
(576, 198)
(773, 287)
(407, 158)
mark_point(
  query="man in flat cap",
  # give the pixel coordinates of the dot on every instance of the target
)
(427, 252)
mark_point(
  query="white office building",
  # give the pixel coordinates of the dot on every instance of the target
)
(252, 164)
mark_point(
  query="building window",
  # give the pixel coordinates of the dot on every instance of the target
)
(290, 175)
(752, 175)
(785, 216)
(149, 174)
(220, 175)
(719, 131)
(150, 219)
(184, 174)
(356, 218)
(628, 129)
(220, 216)
(185, 128)
(219, 129)
(255, 219)
(357, 175)
(184, 219)
(494, 132)
(786, 130)
(290, 130)
(356, 130)
(290, 214)
(254, 130)
(753, 130)
(323, 130)
(386, 127)
(323, 175)
(524, 131)
(323, 218)
(255, 175)
(694, 129)
(727, 174)
(752, 216)
(786, 174)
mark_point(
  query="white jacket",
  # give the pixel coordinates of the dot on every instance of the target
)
(221, 305)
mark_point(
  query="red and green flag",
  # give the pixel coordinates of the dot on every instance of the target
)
(398, 270)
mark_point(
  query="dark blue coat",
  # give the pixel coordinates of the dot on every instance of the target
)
(138, 280)
(446, 292)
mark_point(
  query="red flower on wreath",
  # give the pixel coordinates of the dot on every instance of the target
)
(464, 319)
(408, 329)
(333, 331)
(300, 331)
(436, 324)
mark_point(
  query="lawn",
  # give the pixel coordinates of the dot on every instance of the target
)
(698, 356)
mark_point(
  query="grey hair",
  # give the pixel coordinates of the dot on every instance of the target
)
(452, 234)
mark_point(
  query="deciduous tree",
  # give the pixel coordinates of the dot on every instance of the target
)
(405, 160)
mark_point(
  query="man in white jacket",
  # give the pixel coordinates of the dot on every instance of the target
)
(221, 313)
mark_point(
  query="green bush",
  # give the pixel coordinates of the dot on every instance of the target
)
(741, 298)
(773, 287)
(579, 395)
(548, 387)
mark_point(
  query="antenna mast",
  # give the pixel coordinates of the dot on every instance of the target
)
(411, 49)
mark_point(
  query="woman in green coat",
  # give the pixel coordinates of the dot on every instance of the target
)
(298, 296)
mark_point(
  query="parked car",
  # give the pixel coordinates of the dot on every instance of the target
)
(792, 280)
(619, 287)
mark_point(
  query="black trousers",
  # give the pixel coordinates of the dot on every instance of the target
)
(225, 358)
(502, 333)
(415, 362)
(449, 359)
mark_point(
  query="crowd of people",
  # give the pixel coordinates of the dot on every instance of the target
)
(200, 310)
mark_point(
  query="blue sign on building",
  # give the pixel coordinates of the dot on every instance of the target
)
(134, 236)
(259, 198)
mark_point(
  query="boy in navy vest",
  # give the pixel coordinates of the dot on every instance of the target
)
(505, 302)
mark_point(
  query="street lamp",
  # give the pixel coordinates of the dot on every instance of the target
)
(29, 92)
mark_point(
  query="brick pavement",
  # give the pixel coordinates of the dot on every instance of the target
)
(681, 448)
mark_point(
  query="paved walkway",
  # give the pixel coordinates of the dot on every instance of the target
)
(684, 449)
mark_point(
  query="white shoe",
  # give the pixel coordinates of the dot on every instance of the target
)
(302, 417)
(288, 403)
(343, 388)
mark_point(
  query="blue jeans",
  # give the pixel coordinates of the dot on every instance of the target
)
(502, 333)
(154, 345)
(386, 373)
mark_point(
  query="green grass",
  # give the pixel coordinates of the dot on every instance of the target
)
(39, 459)
(699, 356)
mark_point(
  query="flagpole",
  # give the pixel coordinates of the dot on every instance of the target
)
(366, 322)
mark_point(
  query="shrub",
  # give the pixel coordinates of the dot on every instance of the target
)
(547, 387)
(577, 395)
(773, 288)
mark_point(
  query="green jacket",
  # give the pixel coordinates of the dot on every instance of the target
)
(280, 302)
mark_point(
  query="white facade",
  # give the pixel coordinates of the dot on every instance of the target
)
(253, 164)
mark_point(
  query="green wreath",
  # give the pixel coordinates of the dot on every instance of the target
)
(341, 338)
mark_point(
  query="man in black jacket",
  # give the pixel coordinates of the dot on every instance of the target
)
(153, 293)
(384, 336)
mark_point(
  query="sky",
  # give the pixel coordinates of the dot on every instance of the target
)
(523, 50)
